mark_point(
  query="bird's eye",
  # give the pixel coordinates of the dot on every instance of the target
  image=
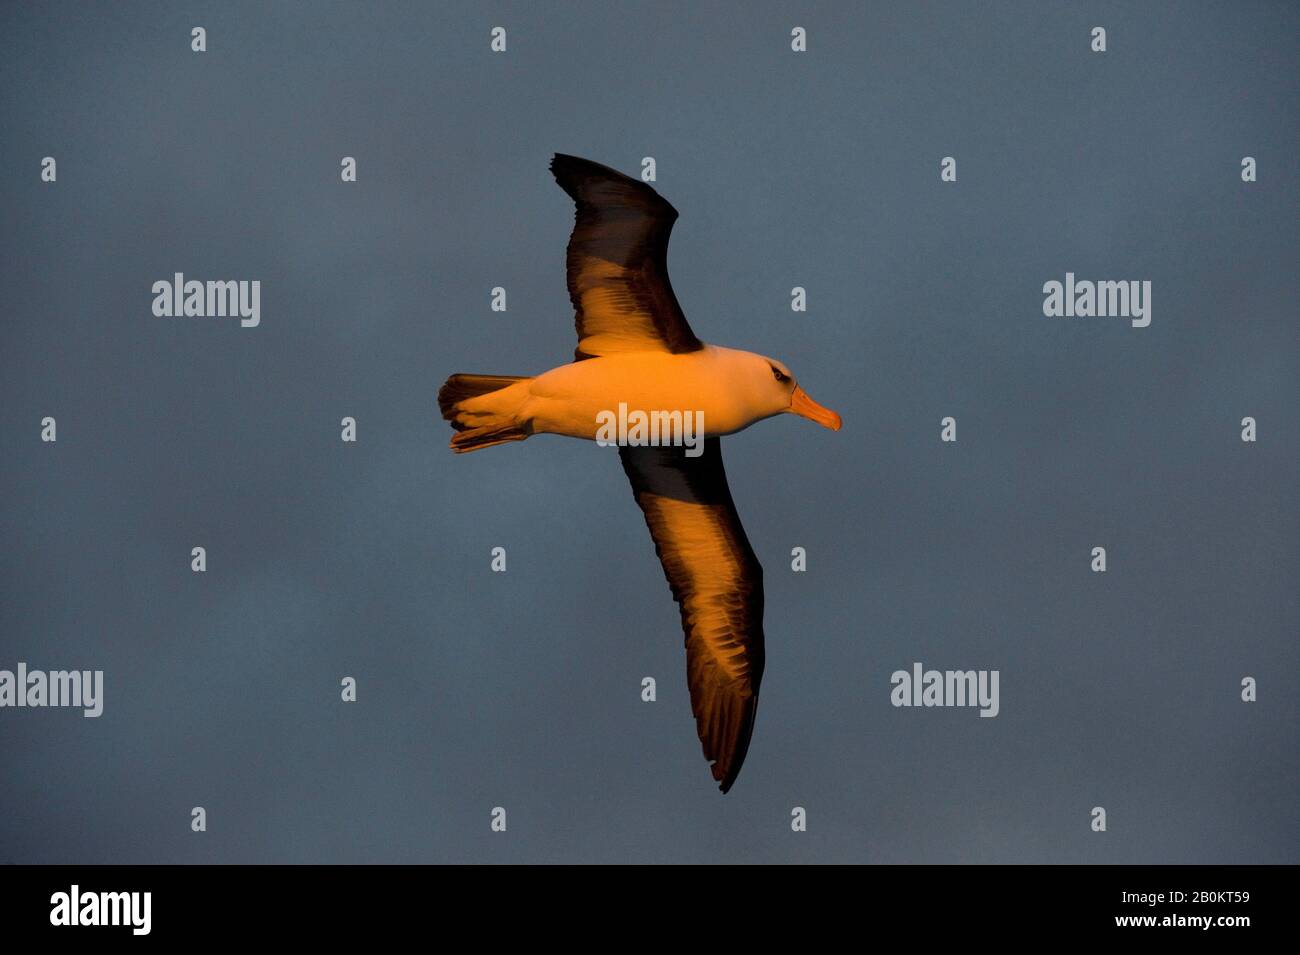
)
(776, 373)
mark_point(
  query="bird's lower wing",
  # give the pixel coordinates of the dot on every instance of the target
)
(717, 581)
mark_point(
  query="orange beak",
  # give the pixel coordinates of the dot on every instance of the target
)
(805, 407)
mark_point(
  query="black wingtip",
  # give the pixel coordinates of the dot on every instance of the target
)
(572, 172)
(566, 164)
(587, 181)
(740, 750)
(726, 782)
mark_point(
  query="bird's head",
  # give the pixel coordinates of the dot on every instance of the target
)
(782, 394)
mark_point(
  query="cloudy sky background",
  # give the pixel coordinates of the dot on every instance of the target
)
(522, 690)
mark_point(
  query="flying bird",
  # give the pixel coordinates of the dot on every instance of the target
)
(635, 348)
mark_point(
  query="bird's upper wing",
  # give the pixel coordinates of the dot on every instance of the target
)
(618, 263)
(718, 582)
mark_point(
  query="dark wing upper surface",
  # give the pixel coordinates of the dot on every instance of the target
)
(618, 263)
(717, 581)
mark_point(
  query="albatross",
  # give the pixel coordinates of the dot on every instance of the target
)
(635, 348)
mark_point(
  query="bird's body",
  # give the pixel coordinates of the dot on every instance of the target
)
(636, 352)
(718, 383)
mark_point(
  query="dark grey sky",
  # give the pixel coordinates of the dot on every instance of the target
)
(521, 690)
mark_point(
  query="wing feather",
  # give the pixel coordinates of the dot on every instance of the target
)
(617, 264)
(718, 583)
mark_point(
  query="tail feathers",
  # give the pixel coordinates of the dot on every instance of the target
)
(460, 387)
(481, 417)
(475, 438)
